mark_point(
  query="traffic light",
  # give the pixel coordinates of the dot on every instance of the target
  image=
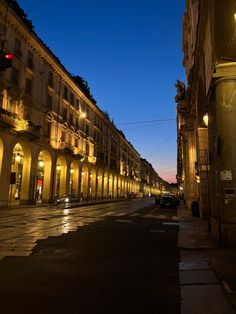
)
(6, 59)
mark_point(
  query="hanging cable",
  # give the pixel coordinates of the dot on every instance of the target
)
(148, 121)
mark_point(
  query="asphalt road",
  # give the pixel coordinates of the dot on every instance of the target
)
(119, 263)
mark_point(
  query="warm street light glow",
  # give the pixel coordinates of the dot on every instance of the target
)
(58, 167)
(82, 173)
(71, 170)
(198, 179)
(41, 163)
(83, 115)
(18, 158)
(205, 119)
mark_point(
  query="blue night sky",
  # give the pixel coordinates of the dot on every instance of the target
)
(130, 53)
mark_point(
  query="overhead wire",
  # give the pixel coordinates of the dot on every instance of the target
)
(162, 143)
(148, 121)
(148, 125)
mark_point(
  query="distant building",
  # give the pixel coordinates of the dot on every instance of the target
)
(151, 183)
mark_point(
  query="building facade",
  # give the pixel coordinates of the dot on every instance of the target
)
(54, 139)
(206, 115)
(151, 183)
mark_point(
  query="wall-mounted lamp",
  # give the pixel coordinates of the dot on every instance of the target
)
(71, 170)
(82, 173)
(198, 178)
(58, 167)
(205, 119)
(18, 158)
(41, 163)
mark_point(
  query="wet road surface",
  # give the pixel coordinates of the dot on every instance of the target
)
(122, 259)
(20, 228)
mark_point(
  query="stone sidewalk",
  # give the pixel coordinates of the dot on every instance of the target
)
(207, 271)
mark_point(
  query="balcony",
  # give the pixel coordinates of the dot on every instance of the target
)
(69, 149)
(7, 119)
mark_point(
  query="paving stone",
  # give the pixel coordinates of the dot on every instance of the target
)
(188, 277)
(205, 299)
(193, 265)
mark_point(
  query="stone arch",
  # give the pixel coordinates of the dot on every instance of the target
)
(20, 172)
(93, 182)
(60, 178)
(110, 185)
(74, 177)
(43, 176)
(106, 177)
(84, 181)
(100, 191)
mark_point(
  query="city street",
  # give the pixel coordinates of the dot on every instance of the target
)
(119, 258)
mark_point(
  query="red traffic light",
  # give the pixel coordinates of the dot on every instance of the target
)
(9, 55)
(6, 59)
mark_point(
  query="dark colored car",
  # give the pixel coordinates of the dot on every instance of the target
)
(68, 199)
(169, 201)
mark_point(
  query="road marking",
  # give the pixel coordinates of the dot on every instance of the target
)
(226, 286)
(171, 223)
(135, 215)
(109, 213)
(157, 230)
(123, 220)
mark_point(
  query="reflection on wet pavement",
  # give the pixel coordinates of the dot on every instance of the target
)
(20, 228)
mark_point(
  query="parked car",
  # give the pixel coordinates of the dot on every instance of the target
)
(67, 199)
(169, 201)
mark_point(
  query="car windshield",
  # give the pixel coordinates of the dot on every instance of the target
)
(168, 198)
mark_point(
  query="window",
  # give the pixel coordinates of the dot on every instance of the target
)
(87, 149)
(50, 79)
(30, 60)
(62, 136)
(72, 99)
(71, 118)
(15, 76)
(48, 130)
(77, 123)
(2, 32)
(64, 115)
(69, 139)
(66, 93)
(77, 104)
(87, 130)
(17, 47)
(76, 142)
(49, 101)
(28, 86)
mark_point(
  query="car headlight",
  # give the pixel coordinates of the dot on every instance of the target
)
(67, 199)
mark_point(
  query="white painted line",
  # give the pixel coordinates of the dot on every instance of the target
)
(109, 213)
(226, 286)
(157, 230)
(171, 223)
(123, 220)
